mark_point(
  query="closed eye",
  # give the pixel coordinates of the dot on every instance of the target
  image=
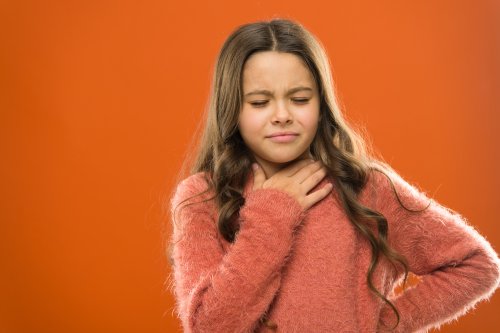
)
(258, 104)
(296, 100)
(301, 100)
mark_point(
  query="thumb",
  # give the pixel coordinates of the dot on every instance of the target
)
(258, 176)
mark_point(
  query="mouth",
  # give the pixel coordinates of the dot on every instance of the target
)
(282, 133)
(283, 137)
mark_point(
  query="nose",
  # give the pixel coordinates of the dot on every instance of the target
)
(281, 115)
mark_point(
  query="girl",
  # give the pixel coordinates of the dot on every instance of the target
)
(288, 223)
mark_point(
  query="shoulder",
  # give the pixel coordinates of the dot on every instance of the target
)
(192, 207)
(389, 188)
(194, 188)
(193, 184)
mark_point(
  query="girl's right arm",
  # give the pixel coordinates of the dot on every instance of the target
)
(229, 292)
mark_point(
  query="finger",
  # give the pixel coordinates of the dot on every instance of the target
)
(259, 177)
(293, 168)
(318, 195)
(314, 179)
(304, 173)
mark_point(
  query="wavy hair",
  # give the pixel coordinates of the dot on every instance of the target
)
(226, 162)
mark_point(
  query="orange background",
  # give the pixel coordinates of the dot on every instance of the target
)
(99, 99)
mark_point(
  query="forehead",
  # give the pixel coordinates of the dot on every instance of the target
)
(271, 69)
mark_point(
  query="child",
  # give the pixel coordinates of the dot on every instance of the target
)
(287, 223)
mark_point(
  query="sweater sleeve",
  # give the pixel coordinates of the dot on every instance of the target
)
(456, 265)
(219, 291)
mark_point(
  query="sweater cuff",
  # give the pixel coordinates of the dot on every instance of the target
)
(274, 205)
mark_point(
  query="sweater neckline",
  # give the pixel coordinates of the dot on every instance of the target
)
(250, 181)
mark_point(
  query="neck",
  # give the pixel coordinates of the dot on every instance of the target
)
(270, 168)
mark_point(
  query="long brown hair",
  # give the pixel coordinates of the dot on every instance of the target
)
(225, 160)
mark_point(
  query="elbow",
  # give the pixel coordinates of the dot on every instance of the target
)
(495, 272)
(490, 275)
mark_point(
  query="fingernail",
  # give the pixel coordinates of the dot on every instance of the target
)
(255, 166)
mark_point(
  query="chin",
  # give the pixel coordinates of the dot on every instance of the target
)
(284, 159)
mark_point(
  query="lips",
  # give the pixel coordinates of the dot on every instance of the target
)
(288, 133)
(283, 137)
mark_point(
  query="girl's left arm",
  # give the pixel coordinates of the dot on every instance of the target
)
(457, 266)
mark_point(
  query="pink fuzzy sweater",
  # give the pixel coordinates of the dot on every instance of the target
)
(306, 271)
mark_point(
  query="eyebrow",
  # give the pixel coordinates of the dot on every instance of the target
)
(267, 92)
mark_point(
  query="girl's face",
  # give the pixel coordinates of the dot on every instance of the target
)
(279, 95)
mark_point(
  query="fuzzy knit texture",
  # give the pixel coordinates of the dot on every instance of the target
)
(305, 270)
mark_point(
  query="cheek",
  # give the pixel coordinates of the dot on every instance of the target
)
(250, 122)
(309, 118)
